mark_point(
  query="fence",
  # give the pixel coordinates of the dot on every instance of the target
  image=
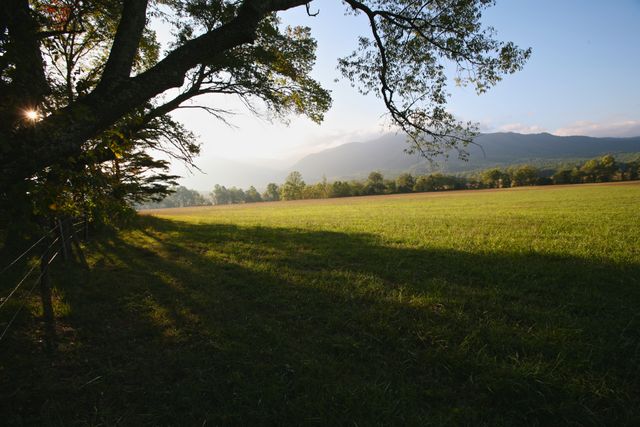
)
(61, 240)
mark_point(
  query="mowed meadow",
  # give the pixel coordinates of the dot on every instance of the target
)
(503, 307)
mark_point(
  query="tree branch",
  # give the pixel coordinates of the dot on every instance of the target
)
(125, 43)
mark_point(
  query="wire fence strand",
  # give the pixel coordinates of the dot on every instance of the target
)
(27, 251)
(26, 298)
(62, 239)
(4, 301)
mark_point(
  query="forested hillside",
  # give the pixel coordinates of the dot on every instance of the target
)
(387, 154)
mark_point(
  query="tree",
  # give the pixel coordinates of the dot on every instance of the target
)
(577, 176)
(493, 178)
(252, 195)
(632, 170)
(320, 190)
(357, 188)
(323, 188)
(374, 184)
(389, 186)
(405, 183)
(272, 193)
(182, 197)
(293, 187)
(437, 182)
(608, 168)
(524, 175)
(563, 176)
(113, 171)
(179, 197)
(220, 195)
(340, 189)
(423, 183)
(94, 106)
(237, 195)
(590, 170)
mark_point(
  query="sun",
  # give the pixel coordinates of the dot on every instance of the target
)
(32, 115)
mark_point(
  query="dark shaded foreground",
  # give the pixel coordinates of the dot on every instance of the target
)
(246, 326)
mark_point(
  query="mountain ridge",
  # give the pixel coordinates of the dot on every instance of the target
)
(386, 154)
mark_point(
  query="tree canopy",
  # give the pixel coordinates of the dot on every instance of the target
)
(85, 90)
(293, 187)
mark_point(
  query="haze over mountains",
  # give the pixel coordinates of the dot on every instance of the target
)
(386, 154)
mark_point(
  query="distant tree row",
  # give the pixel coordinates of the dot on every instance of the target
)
(603, 169)
(222, 195)
(178, 198)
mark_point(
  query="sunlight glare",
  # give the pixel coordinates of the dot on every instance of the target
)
(32, 115)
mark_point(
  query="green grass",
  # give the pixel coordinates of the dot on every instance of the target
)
(511, 307)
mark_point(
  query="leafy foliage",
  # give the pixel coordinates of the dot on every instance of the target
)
(293, 187)
(406, 59)
(405, 183)
(374, 184)
(272, 193)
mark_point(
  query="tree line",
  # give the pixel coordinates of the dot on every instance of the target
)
(604, 169)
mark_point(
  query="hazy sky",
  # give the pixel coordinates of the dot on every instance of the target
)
(583, 78)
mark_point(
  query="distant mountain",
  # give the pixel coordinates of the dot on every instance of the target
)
(353, 160)
(386, 154)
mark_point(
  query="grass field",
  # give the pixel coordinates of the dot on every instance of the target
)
(508, 307)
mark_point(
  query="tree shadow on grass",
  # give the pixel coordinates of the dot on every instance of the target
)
(181, 323)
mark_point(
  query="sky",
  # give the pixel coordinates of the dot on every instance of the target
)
(583, 78)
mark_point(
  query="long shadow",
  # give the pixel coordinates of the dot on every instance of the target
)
(188, 324)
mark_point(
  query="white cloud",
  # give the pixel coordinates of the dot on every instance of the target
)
(520, 128)
(587, 128)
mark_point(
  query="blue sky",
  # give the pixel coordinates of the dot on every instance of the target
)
(584, 74)
(583, 78)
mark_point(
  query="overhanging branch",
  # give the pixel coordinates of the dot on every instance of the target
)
(125, 43)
